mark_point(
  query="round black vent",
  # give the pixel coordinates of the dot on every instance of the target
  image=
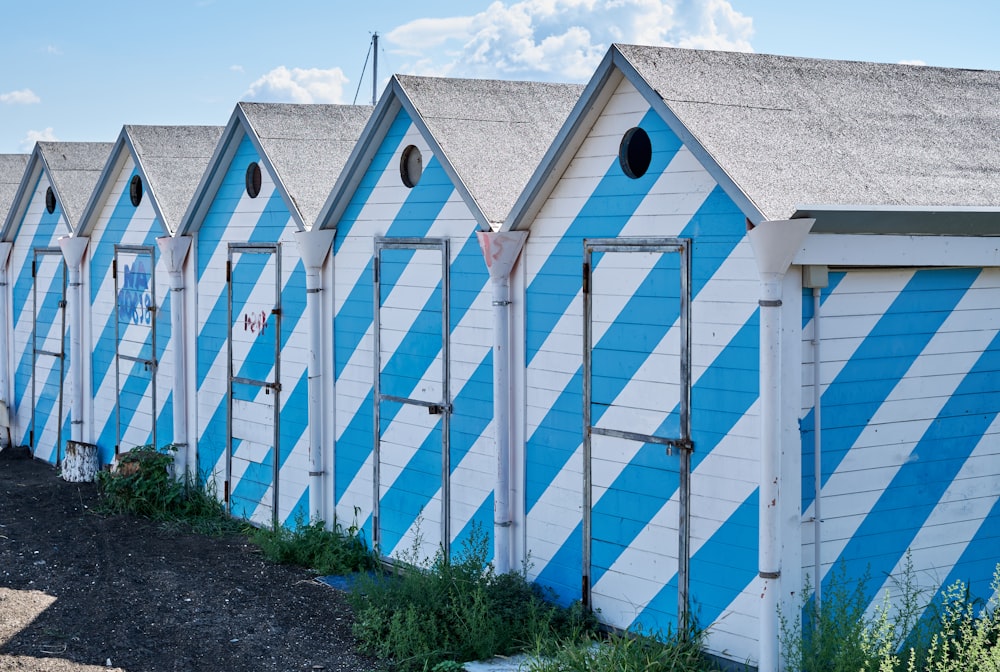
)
(50, 200)
(635, 153)
(253, 180)
(135, 190)
(411, 166)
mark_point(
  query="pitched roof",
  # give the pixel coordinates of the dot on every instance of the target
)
(11, 171)
(488, 134)
(791, 132)
(492, 132)
(73, 169)
(173, 159)
(307, 146)
(170, 160)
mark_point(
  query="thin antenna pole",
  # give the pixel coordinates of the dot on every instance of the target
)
(374, 68)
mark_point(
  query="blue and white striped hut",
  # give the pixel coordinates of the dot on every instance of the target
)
(668, 386)
(265, 184)
(11, 171)
(129, 368)
(54, 189)
(440, 161)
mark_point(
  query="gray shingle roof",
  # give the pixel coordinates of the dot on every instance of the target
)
(173, 159)
(798, 131)
(308, 146)
(74, 168)
(11, 171)
(492, 132)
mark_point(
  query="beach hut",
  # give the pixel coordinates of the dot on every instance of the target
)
(441, 161)
(127, 352)
(678, 227)
(11, 171)
(265, 184)
(54, 189)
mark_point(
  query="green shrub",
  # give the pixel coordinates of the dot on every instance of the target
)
(144, 485)
(440, 610)
(336, 551)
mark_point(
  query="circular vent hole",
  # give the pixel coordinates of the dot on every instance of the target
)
(50, 200)
(635, 153)
(135, 190)
(253, 180)
(411, 166)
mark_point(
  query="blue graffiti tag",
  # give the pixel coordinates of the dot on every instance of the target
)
(134, 298)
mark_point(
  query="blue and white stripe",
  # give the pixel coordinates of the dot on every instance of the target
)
(121, 223)
(233, 217)
(410, 493)
(676, 198)
(39, 229)
(910, 403)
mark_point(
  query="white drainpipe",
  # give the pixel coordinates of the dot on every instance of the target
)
(816, 277)
(73, 249)
(173, 251)
(501, 251)
(774, 245)
(313, 248)
(4, 343)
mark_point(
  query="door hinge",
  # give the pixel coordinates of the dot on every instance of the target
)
(586, 278)
(34, 270)
(114, 269)
(225, 492)
(375, 265)
(229, 271)
(276, 311)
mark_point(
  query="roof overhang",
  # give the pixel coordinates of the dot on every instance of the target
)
(902, 220)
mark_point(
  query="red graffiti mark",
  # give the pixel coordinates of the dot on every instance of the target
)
(255, 322)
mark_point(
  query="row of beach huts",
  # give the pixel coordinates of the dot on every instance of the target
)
(678, 341)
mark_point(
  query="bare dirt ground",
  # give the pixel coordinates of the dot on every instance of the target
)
(84, 592)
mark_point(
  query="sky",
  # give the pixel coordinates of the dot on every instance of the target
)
(79, 71)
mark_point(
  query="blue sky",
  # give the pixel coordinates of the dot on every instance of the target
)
(80, 70)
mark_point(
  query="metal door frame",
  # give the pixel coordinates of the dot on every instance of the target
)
(61, 355)
(254, 248)
(150, 364)
(443, 408)
(682, 444)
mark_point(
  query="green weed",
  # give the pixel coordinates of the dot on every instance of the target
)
(960, 635)
(144, 485)
(436, 612)
(628, 652)
(336, 551)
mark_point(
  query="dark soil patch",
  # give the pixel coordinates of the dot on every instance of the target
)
(79, 589)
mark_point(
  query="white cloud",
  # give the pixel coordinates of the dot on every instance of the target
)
(236, 68)
(53, 50)
(48, 135)
(299, 85)
(22, 97)
(916, 61)
(562, 39)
